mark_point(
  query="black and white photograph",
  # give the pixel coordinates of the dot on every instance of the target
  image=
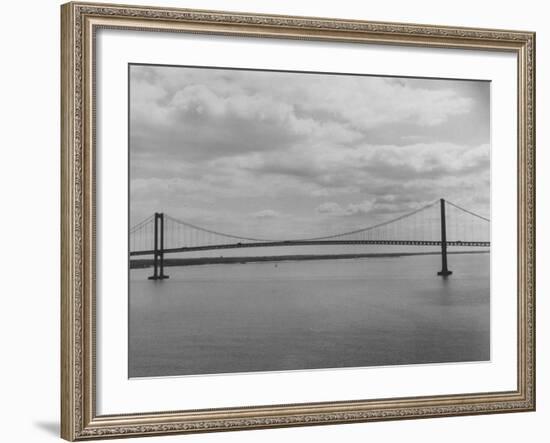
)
(283, 221)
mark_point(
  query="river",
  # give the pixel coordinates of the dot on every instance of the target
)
(279, 316)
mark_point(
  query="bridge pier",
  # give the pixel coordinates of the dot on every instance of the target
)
(444, 269)
(158, 255)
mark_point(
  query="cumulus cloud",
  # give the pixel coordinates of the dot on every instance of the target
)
(208, 113)
(332, 208)
(219, 145)
(329, 208)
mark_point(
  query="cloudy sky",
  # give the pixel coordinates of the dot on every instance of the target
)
(280, 155)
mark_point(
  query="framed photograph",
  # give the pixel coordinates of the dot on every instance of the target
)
(282, 221)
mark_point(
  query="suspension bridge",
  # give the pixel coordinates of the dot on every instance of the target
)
(441, 223)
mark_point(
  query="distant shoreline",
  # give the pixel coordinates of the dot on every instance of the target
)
(147, 263)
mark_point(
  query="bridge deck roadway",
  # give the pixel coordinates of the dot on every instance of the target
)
(313, 243)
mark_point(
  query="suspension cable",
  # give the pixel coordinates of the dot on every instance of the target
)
(469, 212)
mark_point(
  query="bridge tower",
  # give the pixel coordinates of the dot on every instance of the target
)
(158, 255)
(444, 270)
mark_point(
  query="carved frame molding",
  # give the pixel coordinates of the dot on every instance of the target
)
(79, 24)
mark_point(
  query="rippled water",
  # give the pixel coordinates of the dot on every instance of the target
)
(311, 314)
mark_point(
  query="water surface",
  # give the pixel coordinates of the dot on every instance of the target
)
(275, 316)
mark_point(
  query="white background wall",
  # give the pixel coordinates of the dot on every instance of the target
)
(29, 223)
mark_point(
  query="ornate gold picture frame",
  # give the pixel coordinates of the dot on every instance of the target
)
(80, 24)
